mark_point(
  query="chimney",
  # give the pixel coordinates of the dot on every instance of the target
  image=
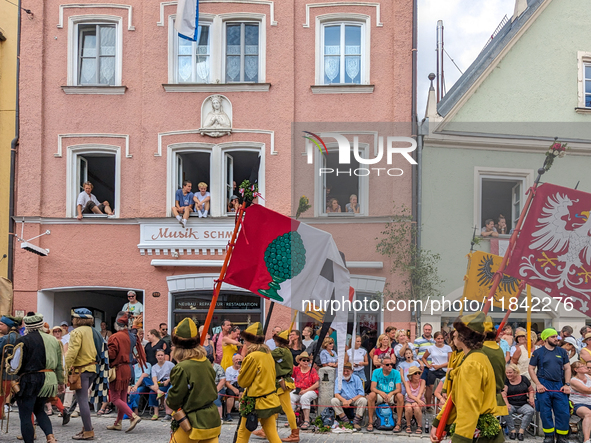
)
(431, 111)
(520, 6)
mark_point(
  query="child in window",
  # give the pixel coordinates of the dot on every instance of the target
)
(201, 200)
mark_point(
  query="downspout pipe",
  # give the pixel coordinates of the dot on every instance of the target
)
(13, 146)
(416, 182)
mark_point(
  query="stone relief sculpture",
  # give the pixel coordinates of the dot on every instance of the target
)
(215, 121)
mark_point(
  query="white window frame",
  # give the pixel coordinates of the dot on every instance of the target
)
(217, 173)
(217, 45)
(72, 191)
(73, 45)
(319, 187)
(526, 176)
(204, 19)
(584, 59)
(346, 19)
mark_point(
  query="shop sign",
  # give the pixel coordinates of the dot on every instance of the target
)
(198, 234)
(194, 304)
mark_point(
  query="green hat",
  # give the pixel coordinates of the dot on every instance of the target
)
(33, 321)
(474, 321)
(254, 334)
(186, 334)
(548, 333)
(282, 338)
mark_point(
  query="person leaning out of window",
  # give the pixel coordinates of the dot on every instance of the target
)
(489, 229)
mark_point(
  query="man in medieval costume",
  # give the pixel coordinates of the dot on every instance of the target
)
(9, 330)
(37, 360)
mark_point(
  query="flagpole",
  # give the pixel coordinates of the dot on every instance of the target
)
(268, 319)
(496, 280)
(218, 282)
(529, 321)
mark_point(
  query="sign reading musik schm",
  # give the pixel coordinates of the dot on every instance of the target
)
(199, 236)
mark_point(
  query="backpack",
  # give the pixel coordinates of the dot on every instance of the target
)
(327, 417)
(384, 420)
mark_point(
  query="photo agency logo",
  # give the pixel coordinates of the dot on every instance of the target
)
(403, 146)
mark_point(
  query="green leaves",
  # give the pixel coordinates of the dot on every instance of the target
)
(415, 266)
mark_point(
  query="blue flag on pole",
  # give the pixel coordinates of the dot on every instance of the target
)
(187, 19)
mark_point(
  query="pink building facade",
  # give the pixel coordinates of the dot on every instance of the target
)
(111, 95)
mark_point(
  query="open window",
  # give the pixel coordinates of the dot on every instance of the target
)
(99, 165)
(100, 170)
(195, 167)
(239, 166)
(340, 186)
(501, 196)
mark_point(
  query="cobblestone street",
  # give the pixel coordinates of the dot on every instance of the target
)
(159, 431)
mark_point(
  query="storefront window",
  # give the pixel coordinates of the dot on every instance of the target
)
(240, 308)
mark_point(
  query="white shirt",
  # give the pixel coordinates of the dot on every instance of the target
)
(439, 355)
(232, 374)
(358, 358)
(66, 339)
(271, 344)
(162, 372)
(84, 198)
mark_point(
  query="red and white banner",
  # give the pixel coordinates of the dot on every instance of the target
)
(553, 250)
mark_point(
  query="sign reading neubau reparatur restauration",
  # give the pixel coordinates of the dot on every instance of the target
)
(198, 237)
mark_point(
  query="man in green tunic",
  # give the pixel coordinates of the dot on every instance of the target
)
(193, 387)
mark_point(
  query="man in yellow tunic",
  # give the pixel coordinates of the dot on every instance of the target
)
(473, 388)
(257, 376)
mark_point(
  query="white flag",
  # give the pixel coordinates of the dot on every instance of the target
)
(187, 19)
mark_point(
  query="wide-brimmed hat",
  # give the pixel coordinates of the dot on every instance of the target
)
(303, 355)
(587, 337)
(413, 370)
(56, 327)
(348, 365)
(520, 334)
(570, 340)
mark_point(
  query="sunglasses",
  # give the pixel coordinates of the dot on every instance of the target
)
(305, 359)
(387, 364)
(131, 296)
(164, 329)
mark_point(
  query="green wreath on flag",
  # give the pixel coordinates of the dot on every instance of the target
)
(285, 257)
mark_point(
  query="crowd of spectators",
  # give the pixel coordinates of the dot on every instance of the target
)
(386, 370)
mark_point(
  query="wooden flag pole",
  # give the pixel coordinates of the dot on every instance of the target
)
(496, 280)
(295, 312)
(529, 321)
(218, 282)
